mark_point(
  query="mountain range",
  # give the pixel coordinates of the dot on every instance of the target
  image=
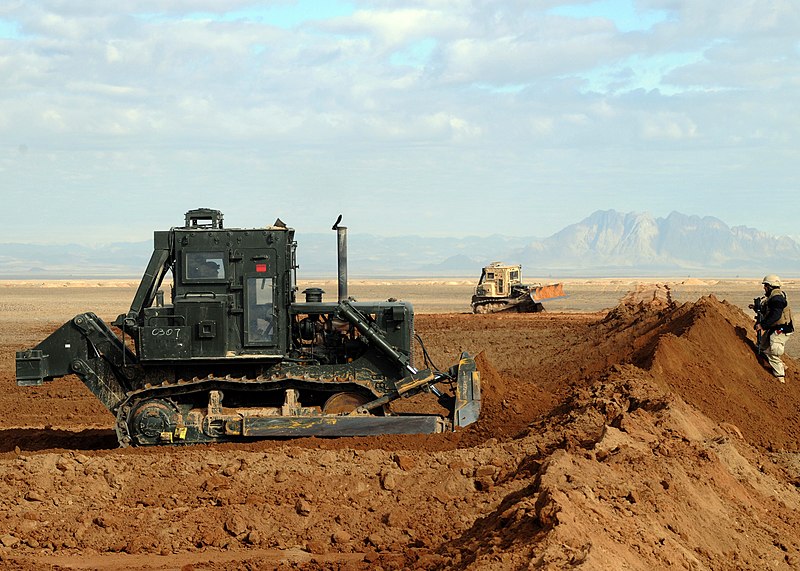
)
(606, 243)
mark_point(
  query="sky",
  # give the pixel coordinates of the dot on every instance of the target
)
(426, 117)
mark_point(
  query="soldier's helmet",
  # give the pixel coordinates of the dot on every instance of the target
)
(771, 280)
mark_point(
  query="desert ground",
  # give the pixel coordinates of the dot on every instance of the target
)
(620, 429)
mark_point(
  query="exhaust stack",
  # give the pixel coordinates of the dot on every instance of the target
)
(341, 251)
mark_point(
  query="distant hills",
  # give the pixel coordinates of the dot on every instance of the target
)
(607, 243)
(37, 261)
(611, 242)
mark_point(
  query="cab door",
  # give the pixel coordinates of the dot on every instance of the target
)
(262, 301)
(259, 311)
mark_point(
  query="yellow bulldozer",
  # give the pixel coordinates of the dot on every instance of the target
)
(500, 288)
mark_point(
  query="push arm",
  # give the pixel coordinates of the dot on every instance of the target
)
(86, 347)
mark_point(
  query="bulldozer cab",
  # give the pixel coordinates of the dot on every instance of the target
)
(497, 279)
(227, 284)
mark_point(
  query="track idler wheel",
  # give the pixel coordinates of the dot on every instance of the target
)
(345, 403)
(153, 421)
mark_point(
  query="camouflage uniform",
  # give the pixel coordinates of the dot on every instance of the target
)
(777, 325)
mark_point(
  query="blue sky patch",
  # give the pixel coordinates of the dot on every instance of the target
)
(622, 12)
(415, 55)
(502, 89)
(9, 30)
(641, 72)
(287, 15)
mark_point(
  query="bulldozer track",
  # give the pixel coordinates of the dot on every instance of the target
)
(484, 307)
(173, 391)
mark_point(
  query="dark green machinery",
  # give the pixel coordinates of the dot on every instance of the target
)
(234, 356)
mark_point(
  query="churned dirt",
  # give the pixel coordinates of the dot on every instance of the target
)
(644, 434)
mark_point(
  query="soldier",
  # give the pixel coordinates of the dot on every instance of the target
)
(774, 324)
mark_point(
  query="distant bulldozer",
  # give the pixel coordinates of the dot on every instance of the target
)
(500, 288)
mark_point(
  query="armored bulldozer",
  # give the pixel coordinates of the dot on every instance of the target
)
(500, 288)
(234, 356)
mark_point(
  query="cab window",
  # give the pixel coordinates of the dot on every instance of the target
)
(205, 266)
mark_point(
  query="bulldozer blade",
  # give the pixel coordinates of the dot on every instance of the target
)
(467, 406)
(551, 291)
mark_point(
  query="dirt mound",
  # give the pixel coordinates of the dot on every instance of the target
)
(651, 295)
(667, 448)
(705, 352)
(503, 403)
(633, 477)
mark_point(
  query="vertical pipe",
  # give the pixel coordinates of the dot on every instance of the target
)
(341, 251)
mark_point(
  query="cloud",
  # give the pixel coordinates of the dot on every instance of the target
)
(595, 103)
(392, 28)
(668, 126)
